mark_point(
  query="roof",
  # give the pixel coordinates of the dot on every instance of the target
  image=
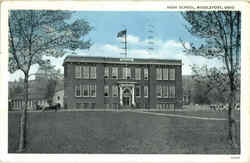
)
(96, 59)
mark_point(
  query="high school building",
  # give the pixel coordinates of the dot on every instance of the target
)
(118, 83)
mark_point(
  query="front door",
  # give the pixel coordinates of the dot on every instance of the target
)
(126, 102)
(126, 98)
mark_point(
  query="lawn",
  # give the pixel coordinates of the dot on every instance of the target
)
(119, 132)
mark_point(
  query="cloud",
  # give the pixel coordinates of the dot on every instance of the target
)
(137, 48)
(133, 39)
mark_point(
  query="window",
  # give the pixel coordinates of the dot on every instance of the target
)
(123, 73)
(107, 106)
(128, 73)
(85, 105)
(137, 74)
(92, 72)
(159, 106)
(165, 74)
(85, 72)
(137, 91)
(165, 91)
(158, 91)
(85, 90)
(145, 74)
(92, 90)
(172, 74)
(115, 106)
(114, 90)
(77, 72)
(106, 72)
(78, 105)
(158, 74)
(145, 91)
(172, 91)
(92, 105)
(106, 90)
(171, 106)
(165, 106)
(114, 72)
(78, 91)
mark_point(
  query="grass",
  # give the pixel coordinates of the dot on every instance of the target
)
(119, 132)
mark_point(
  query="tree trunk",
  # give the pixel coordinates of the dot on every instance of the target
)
(23, 119)
(231, 121)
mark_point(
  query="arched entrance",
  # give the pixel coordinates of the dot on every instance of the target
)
(127, 97)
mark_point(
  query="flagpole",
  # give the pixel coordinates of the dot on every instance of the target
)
(126, 44)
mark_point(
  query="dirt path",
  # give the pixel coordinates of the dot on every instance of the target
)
(182, 116)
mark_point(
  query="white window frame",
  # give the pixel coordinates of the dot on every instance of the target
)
(85, 72)
(172, 74)
(139, 91)
(92, 72)
(83, 88)
(165, 89)
(159, 87)
(158, 73)
(77, 87)
(145, 75)
(106, 72)
(137, 73)
(92, 88)
(165, 74)
(114, 90)
(128, 73)
(114, 72)
(106, 87)
(145, 91)
(172, 91)
(78, 72)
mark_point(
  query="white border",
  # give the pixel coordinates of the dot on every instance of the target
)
(117, 6)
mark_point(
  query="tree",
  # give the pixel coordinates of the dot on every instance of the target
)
(37, 33)
(213, 83)
(219, 32)
(50, 76)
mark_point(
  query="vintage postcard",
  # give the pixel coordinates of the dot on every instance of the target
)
(126, 81)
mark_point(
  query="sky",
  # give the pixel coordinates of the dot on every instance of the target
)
(168, 28)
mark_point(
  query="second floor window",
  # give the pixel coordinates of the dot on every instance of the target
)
(172, 91)
(128, 73)
(114, 90)
(114, 72)
(137, 91)
(145, 74)
(137, 74)
(85, 72)
(106, 72)
(85, 90)
(158, 91)
(165, 91)
(106, 90)
(92, 90)
(158, 74)
(172, 74)
(145, 91)
(77, 72)
(165, 73)
(92, 72)
(78, 90)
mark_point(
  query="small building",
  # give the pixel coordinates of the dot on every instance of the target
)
(37, 96)
(118, 83)
(58, 97)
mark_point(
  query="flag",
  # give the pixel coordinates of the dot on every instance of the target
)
(122, 33)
